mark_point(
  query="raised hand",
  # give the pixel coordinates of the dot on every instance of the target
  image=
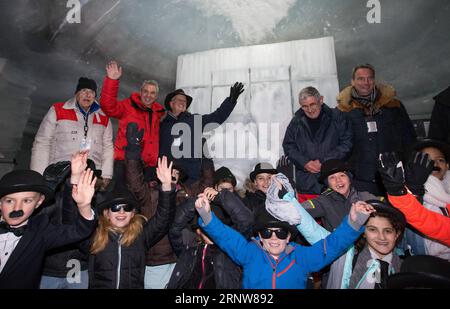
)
(202, 204)
(391, 171)
(360, 210)
(83, 192)
(113, 70)
(417, 171)
(78, 164)
(210, 193)
(164, 173)
(236, 90)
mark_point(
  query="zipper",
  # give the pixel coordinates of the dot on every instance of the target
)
(119, 249)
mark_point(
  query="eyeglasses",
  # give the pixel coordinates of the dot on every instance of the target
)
(267, 233)
(310, 107)
(118, 207)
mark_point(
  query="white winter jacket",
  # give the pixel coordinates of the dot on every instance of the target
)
(62, 131)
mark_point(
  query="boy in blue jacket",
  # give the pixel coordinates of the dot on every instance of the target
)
(270, 261)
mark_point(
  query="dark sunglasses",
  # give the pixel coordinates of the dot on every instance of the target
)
(267, 233)
(118, 207)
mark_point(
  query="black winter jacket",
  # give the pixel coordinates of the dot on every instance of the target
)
(395, 132)
(440, 117)
(119, 267)
(226, 273)
(192, 164)
(333, 140)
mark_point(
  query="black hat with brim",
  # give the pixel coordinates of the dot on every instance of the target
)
(170, 96)
(25, 181)
(430, 143)
(224, 173)
(261, 168)
(421, 271)
(116, 197)
(333, 166)
(263, 219)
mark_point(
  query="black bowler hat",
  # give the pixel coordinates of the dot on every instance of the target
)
(170, 96)
(86, 83)
(333, 166)
(222, 174)
(263, 219)
(261, 168)
(421, 271)
(427, 143)
(25, 181)
(116, 197)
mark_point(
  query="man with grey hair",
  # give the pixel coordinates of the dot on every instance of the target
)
(140, 108)
(316, 134)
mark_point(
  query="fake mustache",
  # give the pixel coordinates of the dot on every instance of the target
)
(16, 214)
(437, 169)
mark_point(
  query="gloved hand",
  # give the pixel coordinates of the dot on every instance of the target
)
(391, 174)
(56, 173)
(417, 170)
(235, 91)
(283, 161)
(134, 139)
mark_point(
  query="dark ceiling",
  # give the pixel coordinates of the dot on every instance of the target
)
(42, 55)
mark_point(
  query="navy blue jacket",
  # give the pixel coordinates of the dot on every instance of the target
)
(191, 163)
(333, 140)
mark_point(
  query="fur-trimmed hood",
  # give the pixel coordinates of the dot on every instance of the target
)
(386, 98)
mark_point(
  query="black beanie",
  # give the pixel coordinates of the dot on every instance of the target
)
(86, 83)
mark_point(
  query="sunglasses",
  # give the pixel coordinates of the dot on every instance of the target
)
(267, 233)
(118, 207)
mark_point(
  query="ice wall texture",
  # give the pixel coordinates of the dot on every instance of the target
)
(273, 75)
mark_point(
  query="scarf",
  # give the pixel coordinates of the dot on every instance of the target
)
(370, 108)
(279, 208)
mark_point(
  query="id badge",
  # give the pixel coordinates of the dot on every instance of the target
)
(177, 142)
(372, 126)
(85, 144)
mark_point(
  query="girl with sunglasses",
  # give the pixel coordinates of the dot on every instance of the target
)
(271, 261)
(119, 246)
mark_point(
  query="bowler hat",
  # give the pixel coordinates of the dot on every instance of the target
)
(25, 181)
(261, 168)
(222, 174)
(426, 143)
(170, 96)
(117, 196)
(263, 219)
(421, 271)
(333, 166)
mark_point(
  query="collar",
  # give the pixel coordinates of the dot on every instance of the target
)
(92, 109)
(17, 231)
(387, 258)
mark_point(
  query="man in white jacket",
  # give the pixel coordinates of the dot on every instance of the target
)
(75, 125)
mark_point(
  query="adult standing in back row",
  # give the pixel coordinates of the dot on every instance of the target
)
(140, 108)
(380, 124)
(316, 134)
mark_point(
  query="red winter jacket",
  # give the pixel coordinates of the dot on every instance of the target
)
(429, 223)
(132, 110)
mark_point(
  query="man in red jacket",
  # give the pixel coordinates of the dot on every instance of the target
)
(140, 108)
